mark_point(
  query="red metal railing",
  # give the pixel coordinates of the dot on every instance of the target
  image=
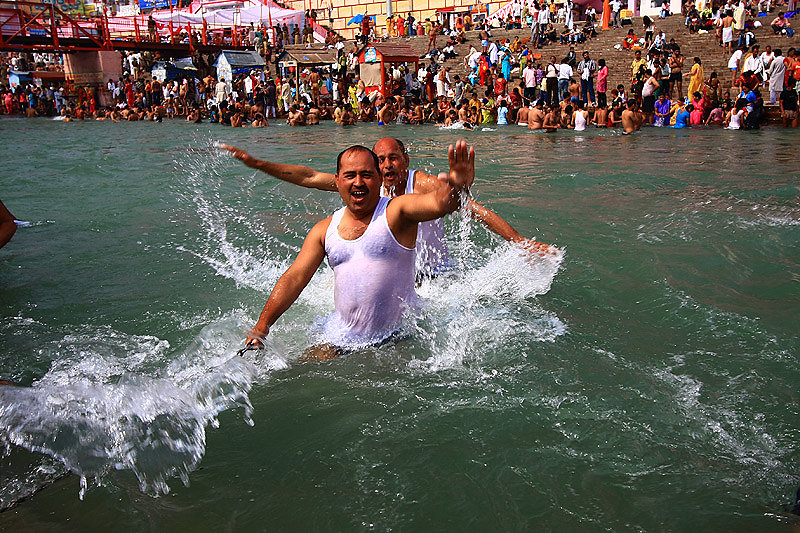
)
(29, 25)
(49, 25)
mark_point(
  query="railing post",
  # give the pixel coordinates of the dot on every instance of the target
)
(53, 27)
(106, 30)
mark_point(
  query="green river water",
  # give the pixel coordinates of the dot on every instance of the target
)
(647, 381)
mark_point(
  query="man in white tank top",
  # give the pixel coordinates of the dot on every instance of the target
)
(398, 179)
(369, 243)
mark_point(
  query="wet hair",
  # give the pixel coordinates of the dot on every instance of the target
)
(358, 148)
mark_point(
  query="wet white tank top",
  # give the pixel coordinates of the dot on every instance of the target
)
(373, 282)
(736, 123)
(580, 121)
(432, 254)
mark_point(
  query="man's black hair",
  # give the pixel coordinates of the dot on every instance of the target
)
(358, 148)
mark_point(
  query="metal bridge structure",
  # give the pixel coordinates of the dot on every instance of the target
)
(37, 27)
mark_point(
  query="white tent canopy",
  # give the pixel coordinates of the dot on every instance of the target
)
(261, 13)
(255, 14)
(179, 17)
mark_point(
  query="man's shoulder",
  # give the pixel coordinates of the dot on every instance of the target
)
(423, 182)
(320, 229)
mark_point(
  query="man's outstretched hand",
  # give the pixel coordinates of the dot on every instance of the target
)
(462, 166)
(239, 154)
(538, 248)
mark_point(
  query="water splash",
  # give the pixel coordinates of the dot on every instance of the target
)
(479, 308)
(109, 401)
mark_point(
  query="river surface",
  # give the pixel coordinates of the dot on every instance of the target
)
(648, 380)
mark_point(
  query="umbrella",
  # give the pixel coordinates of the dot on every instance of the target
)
(358, 18)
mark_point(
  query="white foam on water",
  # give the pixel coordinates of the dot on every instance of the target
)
(126, 402)
(453, 126)
(488, 301)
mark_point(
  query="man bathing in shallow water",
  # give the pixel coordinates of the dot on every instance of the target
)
(369, 244)
(398, 180)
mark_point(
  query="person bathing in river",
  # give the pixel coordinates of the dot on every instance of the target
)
(398, 179)
(369, 244)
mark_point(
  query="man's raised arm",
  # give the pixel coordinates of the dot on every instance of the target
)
(297, 174)
(493, 222)
(404, 212)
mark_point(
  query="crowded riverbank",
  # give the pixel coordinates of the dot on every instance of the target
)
(475, 76)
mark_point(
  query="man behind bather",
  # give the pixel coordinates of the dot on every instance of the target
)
(432, 251)
(369, 243)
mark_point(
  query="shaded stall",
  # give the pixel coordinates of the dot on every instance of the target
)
(229, 63)
(374, 58)
(448, 16)
(174, 70)
(294, 59)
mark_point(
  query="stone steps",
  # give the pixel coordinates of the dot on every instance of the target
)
(619, 61)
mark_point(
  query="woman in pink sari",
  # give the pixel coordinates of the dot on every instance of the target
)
(697, 115)
(602, 82)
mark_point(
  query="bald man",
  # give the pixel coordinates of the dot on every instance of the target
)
(398, 179)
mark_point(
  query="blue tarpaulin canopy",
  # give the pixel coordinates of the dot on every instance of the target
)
(358, 18)
(151, 4)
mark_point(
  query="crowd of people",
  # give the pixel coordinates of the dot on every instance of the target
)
(505, 83)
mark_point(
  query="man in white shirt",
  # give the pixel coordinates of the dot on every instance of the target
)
(616, 6)
(529, 75)
(777, 76)
(551, 80)
(564, 74)
(493, 52)
(516, 9)
(422, 72)
(752, 62)
(248, 88)
(222, 90)
(733, 63)
(542, 19)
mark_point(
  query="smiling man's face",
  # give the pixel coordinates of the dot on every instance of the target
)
(359, 181)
